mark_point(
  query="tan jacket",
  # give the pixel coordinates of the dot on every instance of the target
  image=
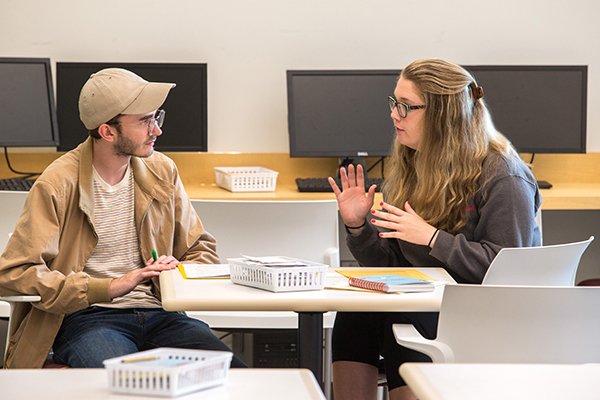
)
(55, 236)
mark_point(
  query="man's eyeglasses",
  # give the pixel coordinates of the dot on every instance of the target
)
(158, 118)
(402, 108)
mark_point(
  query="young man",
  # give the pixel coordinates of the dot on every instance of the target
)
(86, 236)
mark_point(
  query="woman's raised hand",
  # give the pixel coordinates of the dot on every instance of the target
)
(353, 202)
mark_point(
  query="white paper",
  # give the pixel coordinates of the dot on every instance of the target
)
(195, 271)
(275, 261)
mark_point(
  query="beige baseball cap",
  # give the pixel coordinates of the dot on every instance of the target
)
(113, 91)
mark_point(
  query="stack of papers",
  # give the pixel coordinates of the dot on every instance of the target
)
(275, 261)
(208, 271)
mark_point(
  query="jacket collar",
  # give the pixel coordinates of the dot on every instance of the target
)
(148, 182)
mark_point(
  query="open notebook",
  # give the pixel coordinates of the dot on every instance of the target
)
(391, 283)
(389, 280)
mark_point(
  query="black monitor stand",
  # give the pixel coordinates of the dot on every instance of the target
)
(541, 184)
(544, 184)
(346, 161)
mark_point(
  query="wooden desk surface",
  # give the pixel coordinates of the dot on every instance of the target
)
(562, 196)
(501, 381)
(284, 191)
(92, 384)
(571, 196)
(576, 182)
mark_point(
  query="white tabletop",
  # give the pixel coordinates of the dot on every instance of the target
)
(92, 384)
(501, 381)
(179, 294)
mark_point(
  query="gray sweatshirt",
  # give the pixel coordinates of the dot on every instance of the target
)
(502, 214)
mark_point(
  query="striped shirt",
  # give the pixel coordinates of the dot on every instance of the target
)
(117, 251)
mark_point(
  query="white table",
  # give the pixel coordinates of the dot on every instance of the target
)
(502, 381)
(179, 294)
(92, 384)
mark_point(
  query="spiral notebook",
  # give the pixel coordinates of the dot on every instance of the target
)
(391, 283)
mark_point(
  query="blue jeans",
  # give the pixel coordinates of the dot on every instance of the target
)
(92, 335)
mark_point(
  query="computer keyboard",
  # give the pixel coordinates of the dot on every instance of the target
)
(322, 184)
(16, 184)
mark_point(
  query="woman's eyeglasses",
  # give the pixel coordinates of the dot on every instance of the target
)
(402, 108)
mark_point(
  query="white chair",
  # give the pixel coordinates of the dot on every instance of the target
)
(512, 324)
(301, 229)
(12, 205)
(6, 308)
(7, 304)
(538, 221)
(554, 265)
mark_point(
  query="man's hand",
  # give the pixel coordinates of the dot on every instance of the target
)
(126, 283)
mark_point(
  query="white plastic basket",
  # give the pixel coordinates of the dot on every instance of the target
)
(246, 179)
(277, 279)
(167, 371)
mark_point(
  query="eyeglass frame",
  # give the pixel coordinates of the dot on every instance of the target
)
(398, 105)
(158, 118)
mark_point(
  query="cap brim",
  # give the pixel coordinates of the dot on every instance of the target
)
(150, 98)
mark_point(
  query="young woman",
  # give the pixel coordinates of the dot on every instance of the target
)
(456, 193)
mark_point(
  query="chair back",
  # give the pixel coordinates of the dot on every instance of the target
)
(538, 221)
(520, 324)
(12, 205)
(306, 229)
(554, 265)
(301, 229)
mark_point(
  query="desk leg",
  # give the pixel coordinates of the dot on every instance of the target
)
(310, 343)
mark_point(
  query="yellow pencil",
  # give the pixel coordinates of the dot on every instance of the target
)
(139, 359)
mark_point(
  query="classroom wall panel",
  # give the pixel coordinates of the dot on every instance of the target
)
(249, 45)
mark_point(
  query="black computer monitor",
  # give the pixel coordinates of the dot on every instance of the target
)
(340, 114)
(540, 109)
(27, 112)
(185, 127)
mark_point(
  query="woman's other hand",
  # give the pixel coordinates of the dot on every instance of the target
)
(404, 224)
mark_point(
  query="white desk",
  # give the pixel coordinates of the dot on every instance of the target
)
(502, 381)
(92, 384)
(179, 294)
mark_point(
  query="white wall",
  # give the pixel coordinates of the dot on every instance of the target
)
(248, 45)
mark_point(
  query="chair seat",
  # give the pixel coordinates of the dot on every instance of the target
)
(590, 282)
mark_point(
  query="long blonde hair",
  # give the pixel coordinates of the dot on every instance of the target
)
(441, 177)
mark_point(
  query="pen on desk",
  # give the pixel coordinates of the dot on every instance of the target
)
(154, 255)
